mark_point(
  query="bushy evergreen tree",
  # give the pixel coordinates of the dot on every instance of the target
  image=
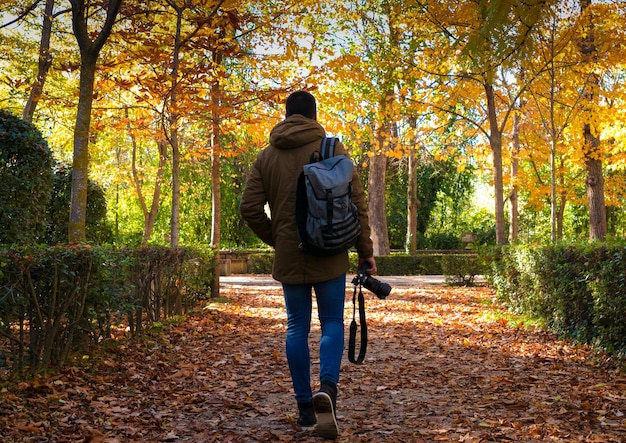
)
(58, 211)
(26, 180)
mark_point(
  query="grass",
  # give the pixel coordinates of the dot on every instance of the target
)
(494, 312)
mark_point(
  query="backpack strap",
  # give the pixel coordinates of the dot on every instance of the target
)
(327, 150)
(327, 147)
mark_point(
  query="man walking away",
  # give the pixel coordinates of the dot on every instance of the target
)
(273, 180)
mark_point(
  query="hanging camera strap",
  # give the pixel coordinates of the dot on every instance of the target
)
(354, 327)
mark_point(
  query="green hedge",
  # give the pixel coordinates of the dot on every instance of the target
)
(460, 266)
(57, 300)
(579, 291)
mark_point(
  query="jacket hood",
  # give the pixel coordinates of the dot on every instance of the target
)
(296, 131)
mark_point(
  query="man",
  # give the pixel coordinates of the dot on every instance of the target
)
(273, 180)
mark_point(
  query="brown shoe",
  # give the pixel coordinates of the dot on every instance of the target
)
(325, 402)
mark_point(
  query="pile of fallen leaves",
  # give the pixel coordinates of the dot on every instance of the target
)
(442, 365)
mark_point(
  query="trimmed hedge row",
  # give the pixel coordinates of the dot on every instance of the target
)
(459, 266)
(579, 291)
(58, 300)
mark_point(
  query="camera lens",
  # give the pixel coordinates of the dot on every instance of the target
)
(380, 289)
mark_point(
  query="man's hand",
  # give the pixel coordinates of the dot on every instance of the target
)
(372, 265)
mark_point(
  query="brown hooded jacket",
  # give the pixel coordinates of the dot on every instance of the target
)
(273, 180)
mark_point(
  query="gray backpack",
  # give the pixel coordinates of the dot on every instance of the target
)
(327, 219)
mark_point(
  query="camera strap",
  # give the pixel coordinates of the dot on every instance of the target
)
(354, 327)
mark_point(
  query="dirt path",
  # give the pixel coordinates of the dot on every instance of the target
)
(442, 365)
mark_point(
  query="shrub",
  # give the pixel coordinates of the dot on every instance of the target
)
(25, 180)
(166, 282)
(608, 289)
(469, 264)
(44, 298)
(444, 241)
(58, 210)
(579, 291)
(57, 300)
(565, 294)
(261, 263)
(460, 269)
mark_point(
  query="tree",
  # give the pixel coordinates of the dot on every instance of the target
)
(548, 107)
(514, 195)
(413, 202)
(593, 153)
(563, 100)
(25, 180)
(149, 215)
(368, 74)
(498, 81)
(89, 52)
(175, 74)
(43, 65)
(490, 37)
(57, 212)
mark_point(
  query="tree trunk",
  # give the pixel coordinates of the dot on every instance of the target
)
(45, 61)
(553, 147)
(595, 196)
(89, 52)
(149, 216)
(413, 202)
(216, 203)
(376, 192)
(495, 142)
(174, 142)
(514, 226)
(413, 205)
(216, 190)
(560, 215)
(80, 163)
(175, 217)
(593, 158)
(612, 220)
(156, 195)
(562, 202)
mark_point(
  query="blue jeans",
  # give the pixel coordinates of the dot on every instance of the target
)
(330, 297)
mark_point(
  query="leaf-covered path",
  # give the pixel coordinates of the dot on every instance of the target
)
(442, 365)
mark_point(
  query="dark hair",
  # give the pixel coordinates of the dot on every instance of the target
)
(301, 102)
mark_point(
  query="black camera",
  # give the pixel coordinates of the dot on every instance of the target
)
(381, 289)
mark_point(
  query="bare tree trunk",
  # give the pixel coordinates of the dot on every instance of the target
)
(514, 226)
(156, 195)
(413, 202)
(80, 163)
(593, 159)
(559, 215)
(149, 216)
(174, 141)
(216, 203)
(376, 192)
(595, 195)
(45, 61)
(495, 142)
(89, 52)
